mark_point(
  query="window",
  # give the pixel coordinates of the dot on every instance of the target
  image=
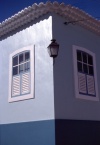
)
(85, 74)
(21, 74)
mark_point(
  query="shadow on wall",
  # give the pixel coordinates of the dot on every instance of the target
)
(68, 131)
(77, 132)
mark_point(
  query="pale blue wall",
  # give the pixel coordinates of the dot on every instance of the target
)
(66, 105)
(42, 106)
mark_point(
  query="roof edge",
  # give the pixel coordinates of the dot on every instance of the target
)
(36, 10)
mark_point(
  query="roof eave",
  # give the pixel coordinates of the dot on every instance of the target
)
(37, 10)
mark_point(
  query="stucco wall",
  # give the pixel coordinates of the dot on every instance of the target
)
(42, 106)
(66, 105)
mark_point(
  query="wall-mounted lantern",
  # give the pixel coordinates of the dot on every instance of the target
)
(53, 48)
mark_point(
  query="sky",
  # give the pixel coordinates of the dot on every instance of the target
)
(10, 7)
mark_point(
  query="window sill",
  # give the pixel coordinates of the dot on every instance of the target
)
(20, 98)
(87, 97)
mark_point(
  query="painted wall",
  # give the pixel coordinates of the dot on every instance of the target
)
(66, 105)
(32, 121)
(28, 133)
(77, 132)
(42, 107)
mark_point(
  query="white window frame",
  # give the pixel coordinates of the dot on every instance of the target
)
(31, 94)
(77, 94)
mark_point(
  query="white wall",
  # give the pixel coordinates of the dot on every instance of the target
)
(42, 106)
(66, 105)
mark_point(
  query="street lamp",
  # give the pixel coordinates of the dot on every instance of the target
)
(53, 49)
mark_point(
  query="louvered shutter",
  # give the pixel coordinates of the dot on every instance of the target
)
(25, 83)
(16, 86)
(90, 85)
(82, 83)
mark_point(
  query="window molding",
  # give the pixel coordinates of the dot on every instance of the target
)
(28, 95)
(76, 77)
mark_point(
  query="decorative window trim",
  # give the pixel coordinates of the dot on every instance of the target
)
(31, 94)
(77, 94)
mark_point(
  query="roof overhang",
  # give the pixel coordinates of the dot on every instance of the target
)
(36, 10)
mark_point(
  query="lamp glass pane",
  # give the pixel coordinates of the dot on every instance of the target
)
(54, 51)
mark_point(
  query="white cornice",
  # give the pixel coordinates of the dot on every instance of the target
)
(37, 10)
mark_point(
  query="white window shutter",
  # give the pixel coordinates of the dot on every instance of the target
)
(90, 84)
(26, 83)
(82, 83)
(16, 86)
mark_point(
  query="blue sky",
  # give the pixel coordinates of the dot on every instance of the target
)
(11, 7)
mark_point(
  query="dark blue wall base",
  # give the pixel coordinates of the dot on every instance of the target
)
(30, 133)
(51, 132)
(77, 132)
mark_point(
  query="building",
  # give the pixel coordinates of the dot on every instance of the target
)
(42, 103)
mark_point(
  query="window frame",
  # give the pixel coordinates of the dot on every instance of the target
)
(24, 96)
(76, 84)
(19, 64)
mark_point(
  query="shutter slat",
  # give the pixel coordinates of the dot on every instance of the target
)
(25, 83)
(82, 83)
(90, 84)
(16, 86)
